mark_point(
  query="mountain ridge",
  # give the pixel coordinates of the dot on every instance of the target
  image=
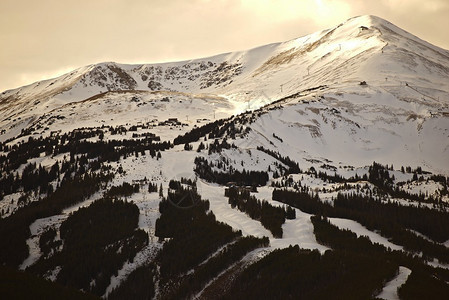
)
(225, 176)
(395, 64)
(367, 20)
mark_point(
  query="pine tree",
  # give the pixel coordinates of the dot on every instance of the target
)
(200, 147)
(161, 191)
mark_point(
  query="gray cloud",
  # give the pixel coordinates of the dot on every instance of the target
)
(40, 39)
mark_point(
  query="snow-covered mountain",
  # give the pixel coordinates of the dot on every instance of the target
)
(308, 116)
(400, 115)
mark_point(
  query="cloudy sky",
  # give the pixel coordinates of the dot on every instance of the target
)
(46, 38)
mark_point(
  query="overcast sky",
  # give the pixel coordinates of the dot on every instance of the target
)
(45, 38)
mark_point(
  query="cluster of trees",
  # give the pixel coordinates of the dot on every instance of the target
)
(193, 231)
(286, 182)
(379, 175)
(444, 182)
(75, 143)
(23, 285)
(249, 178)
(15, 228)
(138, 285)
(343, 239)
(181, 195)
(271, 217)
(32, 178)
(198, 132)
(425, 282)
(48, 243)
(229, 127)
(303, 200)
(112, 150)
(63, 184)
(292, 272)
(98, 239)
(335, 177)
(202, 274)
(191, 245)
(124, 190)
(84, 133)
(194, 238)
(148, 135)
(84, 156)
(217, 147)
(423, 285)
(408, 169)
(188, 181)
(39, 179)
(293, 167)
(118, 130)
(19, 153)
(201, 147)
(188, 147)
(393, 220)
(430, 222)
(152, 188)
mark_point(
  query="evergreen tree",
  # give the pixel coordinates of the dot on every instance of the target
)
(161, 191)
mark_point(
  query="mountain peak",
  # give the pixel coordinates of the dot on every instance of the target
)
(364, 48)
(368, 19)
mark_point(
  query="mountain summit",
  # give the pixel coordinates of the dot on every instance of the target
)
(362, 48)
(405, 77)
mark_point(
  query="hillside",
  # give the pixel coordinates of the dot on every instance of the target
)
(326, 152)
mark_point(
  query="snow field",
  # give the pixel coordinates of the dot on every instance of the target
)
(360, 230)
(389, 291)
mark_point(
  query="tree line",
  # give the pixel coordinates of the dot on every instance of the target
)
(193, 232)
(393, 220)
(293, 273)
(193, 283)
(246, 178)
(15, 228)
(98, 239)
(425, 282)
(271, 217)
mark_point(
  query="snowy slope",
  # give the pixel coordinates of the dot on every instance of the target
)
(303, 98)
(356, 127)
(365, 48)
(400, 116)
(321, 113)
